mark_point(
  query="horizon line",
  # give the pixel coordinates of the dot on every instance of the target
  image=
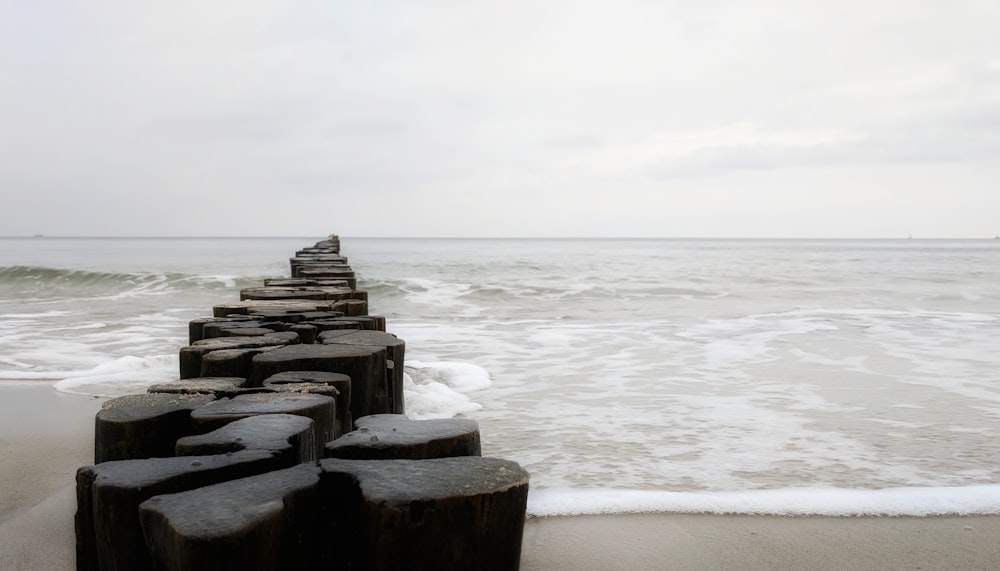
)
(263, 237)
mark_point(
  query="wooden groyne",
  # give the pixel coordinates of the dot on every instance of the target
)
(283, 445)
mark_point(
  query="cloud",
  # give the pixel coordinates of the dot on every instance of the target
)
(603, 114)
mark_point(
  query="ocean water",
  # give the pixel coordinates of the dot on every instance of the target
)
(747, 376)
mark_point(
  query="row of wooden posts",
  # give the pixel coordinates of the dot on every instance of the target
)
(284, 445)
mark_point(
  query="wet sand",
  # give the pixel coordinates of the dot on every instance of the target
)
(693, 541)
(45, 436)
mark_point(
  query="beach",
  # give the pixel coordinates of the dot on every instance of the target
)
(747, 542)
(46, 435)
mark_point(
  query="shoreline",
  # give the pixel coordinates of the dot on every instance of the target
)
(46, 435)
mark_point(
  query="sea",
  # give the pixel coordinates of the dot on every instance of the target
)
(828, 377)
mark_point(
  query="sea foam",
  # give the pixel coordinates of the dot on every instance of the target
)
(439, 389)
(906, 501)
(122, 376)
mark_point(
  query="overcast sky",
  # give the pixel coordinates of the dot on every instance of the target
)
(786, 118)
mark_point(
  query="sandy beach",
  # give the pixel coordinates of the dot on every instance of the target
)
(693, 541)
(45, 436)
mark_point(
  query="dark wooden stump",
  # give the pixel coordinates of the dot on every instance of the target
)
(196, 327)
(395, 351)
(261, 523)
(231, 362)
(108, 533)
(289, 437)
(144, 426)
(337, 324)
(351, 307)
(321, 409)
(288, 282)
(219, 387)
(371, 388)
(191, 356)
(395, 437)
(335, 385)
(307, 332)
(441, 514)
(275, 292)
(254, 307)
(248, 328)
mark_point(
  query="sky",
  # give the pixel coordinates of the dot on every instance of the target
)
(519, 118)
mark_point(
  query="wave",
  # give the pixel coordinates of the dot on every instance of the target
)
(421, 290)
(17, 274)
(35, 282)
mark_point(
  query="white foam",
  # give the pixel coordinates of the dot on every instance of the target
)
(423, 291)
(904, 501)
(438, 390)
(228, 281)
(125, 375)
(53, 313)
(464, 377)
